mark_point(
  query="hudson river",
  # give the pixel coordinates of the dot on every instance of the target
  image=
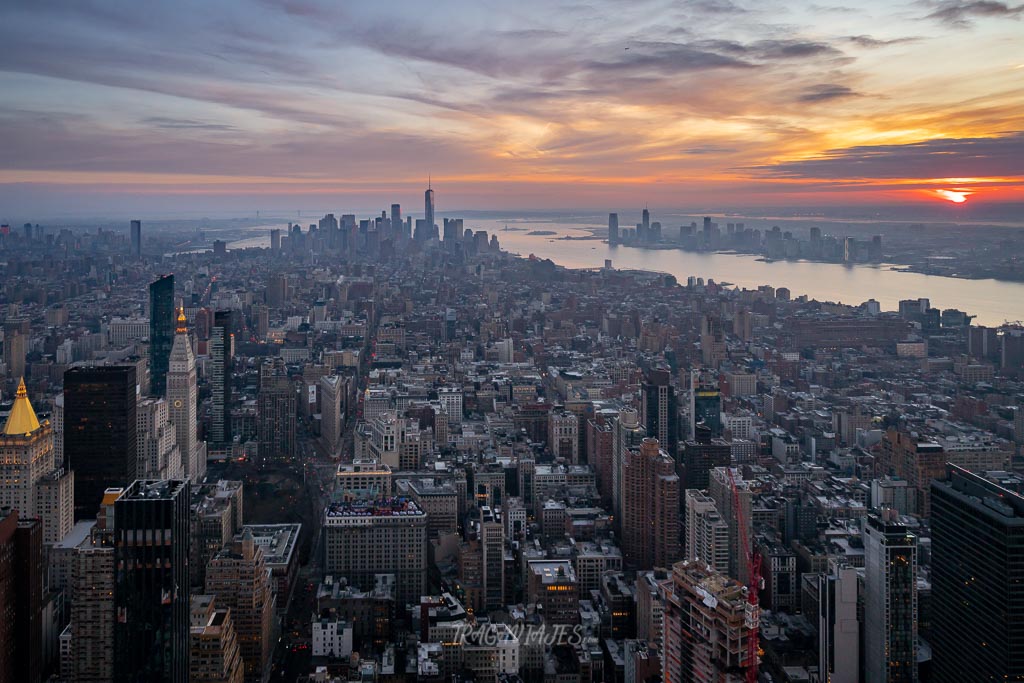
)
(991, 301)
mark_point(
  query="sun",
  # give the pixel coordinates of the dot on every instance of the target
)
(955, 196)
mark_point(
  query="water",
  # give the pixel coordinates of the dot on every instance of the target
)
(991, 301)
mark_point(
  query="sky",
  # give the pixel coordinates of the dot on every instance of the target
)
(239, 105)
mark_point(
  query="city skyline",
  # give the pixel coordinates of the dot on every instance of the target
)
(252, 105)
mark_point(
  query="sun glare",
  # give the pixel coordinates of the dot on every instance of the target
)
(955, 196)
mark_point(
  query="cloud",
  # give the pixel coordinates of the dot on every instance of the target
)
(823, 92)
(869, 41)
(185, 124)
(962, 14)
(1001, 156)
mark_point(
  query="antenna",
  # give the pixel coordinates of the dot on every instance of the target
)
(428, 181)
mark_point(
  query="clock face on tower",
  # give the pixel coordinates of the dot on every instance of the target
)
(177, 403)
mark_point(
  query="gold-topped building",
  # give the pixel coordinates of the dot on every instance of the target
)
(29, 481)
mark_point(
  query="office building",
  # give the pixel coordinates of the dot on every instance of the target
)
(701, 455)
(890, 600)
(428, 211)
(838, 625)
(136, 239)
(492, 545)
(650, 507)
(705, 404)
(363, 479)
(977, 608)
(275, 413)
(613, 228)
(161, 332)
(707, 624)
(216, 517)
(331, 389)
(159, 456)
(100, 428)
(17, 332)
(88, 652)
(564, 436)
(239, 577)
(151, 592)
(552, 586)
(213, 644)
(22, 580)
(707, 534)
(386, 535)
(627, 432)
(659, 409)
(183, 397)
(221, 347)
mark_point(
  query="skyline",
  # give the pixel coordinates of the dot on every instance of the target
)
(713, 103)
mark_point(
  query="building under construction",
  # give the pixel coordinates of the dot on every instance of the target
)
(707, 624)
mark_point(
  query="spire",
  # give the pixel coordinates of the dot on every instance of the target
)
(182, 328)
(428, 182)
(22, 419)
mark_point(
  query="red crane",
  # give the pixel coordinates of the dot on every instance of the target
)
(754, 585)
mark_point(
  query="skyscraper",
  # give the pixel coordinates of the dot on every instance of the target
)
(221, 377)
(397, 227)
(161, 331)
(627, 432)
(182, 396)
(977, 579)
(428, 210)
(613, 228)
(660, 411)
(492, 545)
(275, 413)
(151, 592)
(650, 507)
(238, 576)
(136, 239)
(838, 628)
(99, 431)
(890, 600)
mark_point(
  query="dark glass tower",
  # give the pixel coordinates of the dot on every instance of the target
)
(151, 589)
(977, 579)
(221, 352)
(161, 332)
(136, 239)
(99, 432)
(660, 410)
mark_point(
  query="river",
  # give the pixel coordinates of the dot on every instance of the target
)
(991, 301)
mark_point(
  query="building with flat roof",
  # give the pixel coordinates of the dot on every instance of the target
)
(279, 543)
(386, 535)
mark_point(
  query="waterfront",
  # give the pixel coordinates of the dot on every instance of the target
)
(991, 301)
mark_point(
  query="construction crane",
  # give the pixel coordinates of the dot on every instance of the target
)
(753, 585)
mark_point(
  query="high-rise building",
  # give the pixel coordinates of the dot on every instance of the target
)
(707, 624)
(428, 210)
(707, 533)
(627, 432)
(159, 456)
(151, 591)
(705, 404)
(100, 426)
(740, 520)
(613, 228)
(702, 455)
(890, 600)
(22, 580)
(161, 331)
(88, 654)
(29, 482)
(239, 577)
(275, 413)
(659, 409)
(136, 239)
(16, 336)
(331, 389)
(650, 507)
(213, 644)
(838, 625)
(492, 545)
(221, 377)
(369, 537)
(397, 226)
(275, 240)
(977, 609)
(563, 435)
(183, 395)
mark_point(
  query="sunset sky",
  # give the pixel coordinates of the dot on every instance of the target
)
(235, 105)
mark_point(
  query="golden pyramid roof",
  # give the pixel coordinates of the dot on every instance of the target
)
(22, 419)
